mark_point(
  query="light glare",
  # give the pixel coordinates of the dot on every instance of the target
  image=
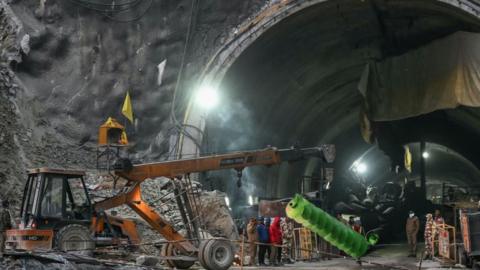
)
(250, 200)
(207, 97)
(425, 155)
(227, 201)
(361, 167)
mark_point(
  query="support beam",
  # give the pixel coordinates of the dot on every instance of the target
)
(423, 173)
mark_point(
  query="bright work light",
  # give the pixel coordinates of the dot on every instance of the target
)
(207, 97)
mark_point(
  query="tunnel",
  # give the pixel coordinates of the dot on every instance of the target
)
(168, 132)
(296, 82)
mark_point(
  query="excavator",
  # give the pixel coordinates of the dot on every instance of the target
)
(57, 212)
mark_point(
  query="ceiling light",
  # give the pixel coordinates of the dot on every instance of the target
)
(361, 167)
(207, 97)
(425, 155)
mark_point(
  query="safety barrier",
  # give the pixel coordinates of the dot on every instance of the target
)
(444, 242)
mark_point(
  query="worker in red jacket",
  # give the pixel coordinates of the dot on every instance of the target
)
(276, 239)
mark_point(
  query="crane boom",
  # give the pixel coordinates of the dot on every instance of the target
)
(236, 160)
(178, 168)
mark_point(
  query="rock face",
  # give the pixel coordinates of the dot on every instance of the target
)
(66, 68)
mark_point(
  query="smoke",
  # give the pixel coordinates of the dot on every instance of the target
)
(232, 124)
(233, 127)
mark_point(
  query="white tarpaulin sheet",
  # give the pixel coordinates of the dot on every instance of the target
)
(443, 74)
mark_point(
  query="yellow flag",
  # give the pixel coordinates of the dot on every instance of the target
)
(127, 108)
(408, 159)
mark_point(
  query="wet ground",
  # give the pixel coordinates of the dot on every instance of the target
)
(386, 257)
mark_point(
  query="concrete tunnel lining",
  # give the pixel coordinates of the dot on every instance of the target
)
(438, 18)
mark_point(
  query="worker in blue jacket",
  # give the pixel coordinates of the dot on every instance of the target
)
(264, 239)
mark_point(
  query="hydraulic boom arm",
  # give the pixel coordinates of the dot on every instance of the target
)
(237, 161)
(178, 168)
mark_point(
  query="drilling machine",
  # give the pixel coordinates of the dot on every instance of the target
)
(57, 212)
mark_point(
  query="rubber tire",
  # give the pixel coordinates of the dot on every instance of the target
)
(210, 257)
(170, 250)
(462, 256)
(201, 253)
(163, 253)
(476, 265)
(73, 232)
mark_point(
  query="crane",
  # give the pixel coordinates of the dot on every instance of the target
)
(58, 191)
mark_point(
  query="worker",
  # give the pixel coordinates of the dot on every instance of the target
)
(438, 223)
(438, 218)
(276, 242)
(428, 237)
(355, 226)
(252, 239)
(412, 226)
(264, 240)
(340, 218)
(269, 248)
(335, 250)
(287, 232)
(5, 224)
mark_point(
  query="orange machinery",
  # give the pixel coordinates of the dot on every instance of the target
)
(180, 252)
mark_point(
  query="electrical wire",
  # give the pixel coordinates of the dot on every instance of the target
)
(182, 63)
(135, 18)
(180, 128)
(111, 8)
(108, 9)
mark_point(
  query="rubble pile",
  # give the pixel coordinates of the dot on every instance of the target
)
(215, 217)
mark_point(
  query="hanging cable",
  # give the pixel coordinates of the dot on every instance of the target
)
(180, 127)
(113, 10)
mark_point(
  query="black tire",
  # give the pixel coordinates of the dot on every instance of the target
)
(462, 256)
(164, 253)
(201, 252)
(169, 250)
(475, 264)
(218, 254)
(76, 239)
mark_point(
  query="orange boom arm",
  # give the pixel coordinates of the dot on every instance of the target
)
(178, 168)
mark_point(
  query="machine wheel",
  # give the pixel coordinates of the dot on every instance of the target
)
(217, 254)
(476, 265)
(76, 239)
(169, 250)
(201, 253)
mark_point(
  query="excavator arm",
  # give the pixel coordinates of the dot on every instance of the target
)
(178, 168)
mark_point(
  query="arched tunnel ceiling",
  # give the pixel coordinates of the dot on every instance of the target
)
(298, 81)
(442, 165)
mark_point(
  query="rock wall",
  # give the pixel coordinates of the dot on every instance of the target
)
(66, 68)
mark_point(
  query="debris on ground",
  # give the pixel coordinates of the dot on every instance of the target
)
(158, 193)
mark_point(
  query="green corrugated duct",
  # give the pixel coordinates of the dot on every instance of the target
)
(328, 227)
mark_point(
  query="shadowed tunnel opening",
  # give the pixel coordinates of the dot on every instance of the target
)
(297, 84)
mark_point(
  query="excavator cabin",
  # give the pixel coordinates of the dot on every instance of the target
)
(57, 213)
